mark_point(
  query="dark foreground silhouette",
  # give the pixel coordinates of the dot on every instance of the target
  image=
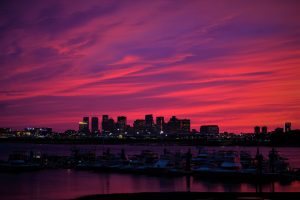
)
(193, 196)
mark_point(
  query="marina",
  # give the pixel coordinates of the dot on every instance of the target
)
(99, 171)
(204, 163)
(143, 100)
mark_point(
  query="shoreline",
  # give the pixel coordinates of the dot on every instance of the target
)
(194, 195)
(106, 141)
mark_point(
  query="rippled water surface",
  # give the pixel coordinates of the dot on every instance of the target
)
(66, 184)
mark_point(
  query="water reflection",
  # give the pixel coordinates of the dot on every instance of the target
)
(66, 184)
(188, 183)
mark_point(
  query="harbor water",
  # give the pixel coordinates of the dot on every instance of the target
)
(67, 183)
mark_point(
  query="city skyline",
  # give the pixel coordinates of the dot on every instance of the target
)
(156, 124)
(231, 63)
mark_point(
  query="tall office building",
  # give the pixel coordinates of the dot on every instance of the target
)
(95, 125)
(121, 123)
(287, 127)
(87, 121)
(139, 125)
(174, 125)
(185, 125)
(160, 124)
(104, 123)
(83, 127)
(264, 130)
(111, 126)
(257, 129)
(149, 122)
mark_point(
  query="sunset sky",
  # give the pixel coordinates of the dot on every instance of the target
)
(231, 63)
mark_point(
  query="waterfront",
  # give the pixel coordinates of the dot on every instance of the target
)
(67, 183)
(292, 153)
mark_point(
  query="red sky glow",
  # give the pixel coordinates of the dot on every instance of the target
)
(231, 63)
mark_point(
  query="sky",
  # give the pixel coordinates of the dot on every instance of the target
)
(231, 63)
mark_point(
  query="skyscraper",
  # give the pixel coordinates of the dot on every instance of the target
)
(95, 125)
(83, 127)
(173, 125)
(104, 123)
(139, 125)
(160, 124)
(87, 121)
(121, 123)
(287, 127)
(264, 130)
(185, 125)
(257, 129)
(111, 126)
(149, 122)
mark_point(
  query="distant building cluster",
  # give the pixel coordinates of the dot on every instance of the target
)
(148, 127)
(209, 130)
(140, 126)
(264, 129)
(32, 132)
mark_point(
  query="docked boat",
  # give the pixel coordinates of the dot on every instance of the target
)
(231, 162)
(202, 157)
(20, 161)
(229, 165)
(162, 166)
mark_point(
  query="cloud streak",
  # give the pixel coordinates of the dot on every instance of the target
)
(232, 63)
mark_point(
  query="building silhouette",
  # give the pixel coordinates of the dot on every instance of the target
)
(173, 125)
(278, 130)
(95, 125)
(149, 123)
(176, 125)
(83, 127)
(264, 130)
(111, 126)
(185, 125)
(5, 130)
(87, 121)
(139, 126)
(287, 127)
(121, 124)
(104, 124)
(160, 124)
(257, 129)
(209, 130)
(148, 126)
(38, 131)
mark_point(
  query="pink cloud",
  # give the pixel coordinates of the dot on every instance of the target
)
(236, 65)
